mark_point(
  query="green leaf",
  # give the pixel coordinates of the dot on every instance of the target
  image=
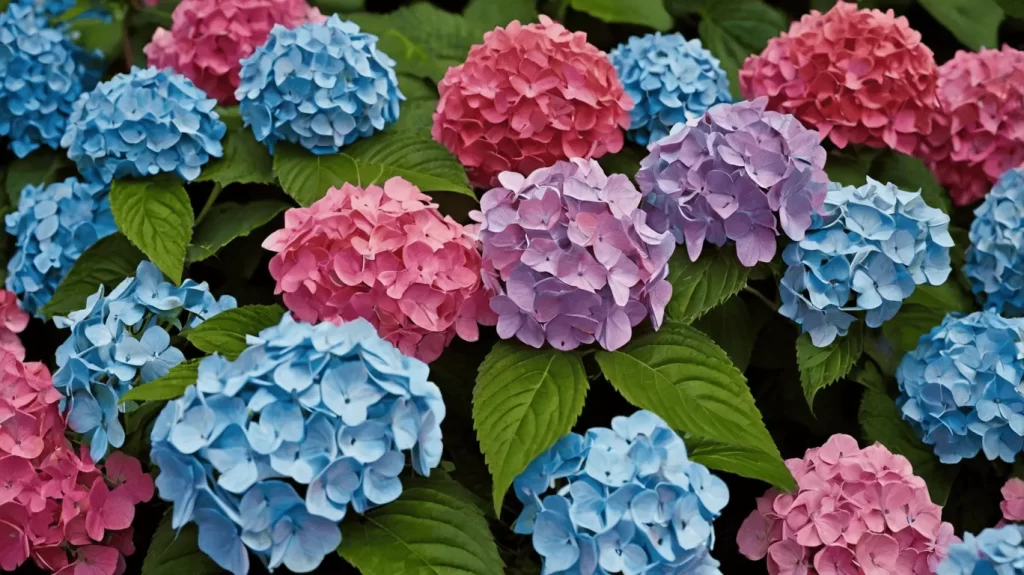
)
(339, 6)
(1013, 8)
(922, 311)
(170, 386)
(973, 22)
(228, 221)
(701, 285)
(245, 160)
(734, 29)
(626, 161)
(105, 263)
(850, 167)
(418, 108)
(650, 13)
(38, 168)
(485, 15)
(175, 553)
(433, 528)
(225, 332)
(681, 375)
(911, 174)
(881, 422)
(525, 399)
(156, 215)
(821, 366)
(730, 326)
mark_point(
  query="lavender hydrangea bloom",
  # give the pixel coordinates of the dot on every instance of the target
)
(724, 176)
(571, 258)
(866, 251)
(670, 79)
(632, 502)
(332, 408)
(994, 551)
(995, 260)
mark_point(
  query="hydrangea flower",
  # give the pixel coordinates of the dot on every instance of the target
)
(570, 258)
(994, 551)
(1012, 504)
(866, 251)
(856, 75)
(121, 340)
(723, 177)
(141, 124)
(670, 79)
(855, 511)
(387, 255)
(979, 132)
(208, 40)
(47, 8)
(320, 85)
(530, 95)
(330, 408)
(995, 261)
(53, 225)
(12, 322)
(631, 502)
(958, 389)
(43, 74)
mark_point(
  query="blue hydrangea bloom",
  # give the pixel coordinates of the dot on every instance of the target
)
(319, 85)
(332, 408)
(670, 79)
(994, 551)
(995, 258)
(47, 8)
(121, 340)
(866, 251)
(144, 123)
(54, 224)
(958, 389)
(631, 502)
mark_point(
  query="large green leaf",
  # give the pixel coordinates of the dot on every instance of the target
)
(417, 112)
(228, 221)
(434, 528)
(105, 263)
(245, 160)
(973, 22)
(170, 386)
(922, 311)
(525, 400)
(730, 325)
(821, 366)
(1014, 8)
(735, 29)
(38, 168)
(177, 552)
(909, 173)
(225, 332)
(701, 285)
(650, 13)
(681, 375)
(484, 15)
(156, 215)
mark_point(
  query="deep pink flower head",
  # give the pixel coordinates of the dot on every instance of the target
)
(571, 258)
(208, 39)
(13, 320)
(856, 76)
(979, 133)
(528, 97)
(1013, 500)
(387, 255)
(855, 512)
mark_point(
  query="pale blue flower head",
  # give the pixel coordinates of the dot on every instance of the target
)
(621, 500)
(120, 340)
(958, 389)
(321, 85)
(53, 225)
(995, 257)
(864, 252)
(144, 123)
(335, 409)
(671, 80)
(994, 551)
(47, 8)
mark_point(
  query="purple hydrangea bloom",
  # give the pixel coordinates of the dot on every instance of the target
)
(725, 175)
(571, 258)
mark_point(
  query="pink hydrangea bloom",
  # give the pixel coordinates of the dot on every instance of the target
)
(208, 40)
(856, 76)
(387, 255)
(1013, 500)
(855, 512)
(528, 97)
(980, 130)
(13, 320)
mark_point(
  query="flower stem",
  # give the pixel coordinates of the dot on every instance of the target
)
(761, 296)
(209, 203)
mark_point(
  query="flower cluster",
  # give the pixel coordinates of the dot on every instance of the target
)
(12, 322)
(980, 130)
(54, 224)
(1012, 504)
(995, 261)
(996, 551)
(856, 76)
(958, 389)
(43, 76)
(855, 511)
(329, 407)
(54, 501)
(320, 85)
(571, 258)
(723, 176)
(527, 97)
(867, 250)
(671, 80)
(141, 124)
(208, 40)
(120, 340)
(47, 8)
(385, 255)
(633, 502)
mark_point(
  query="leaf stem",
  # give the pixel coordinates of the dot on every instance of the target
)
(209, 203)
(764, 299)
